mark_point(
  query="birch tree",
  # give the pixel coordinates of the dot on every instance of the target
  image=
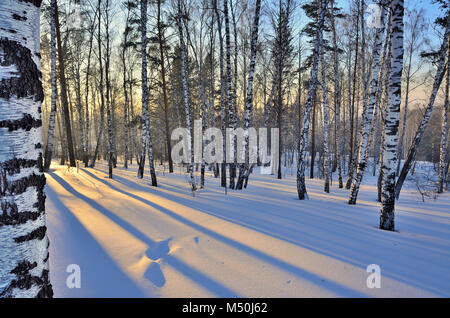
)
(88, 68)
(369, 112)
(301, 164)
(337, 96)
(24, 270)
(187, 107)
(387, 211)
(248, 111)
(146, 139)
(326, 164)
(223, 172)
(161, 42)
(51, 122)
(102, 97)
(232, 116)
(444, 132)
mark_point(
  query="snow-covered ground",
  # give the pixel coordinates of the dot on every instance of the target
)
(134, 240)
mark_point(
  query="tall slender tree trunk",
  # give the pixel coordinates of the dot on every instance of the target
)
(337, 98)
(164, 85)
(313, 138)
(301, 186)
(223, 172)
(88, 127)
(326, 151)
(248, 111)
(231, 114)
(352, 107)
(62, 81)
(102, 97)
(51, 121)
(187, 107)
(387, 212)
(146, 137)
(24, 255)
(125, 90)
(444, 133)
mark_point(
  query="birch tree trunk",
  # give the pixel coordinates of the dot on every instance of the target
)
(102, 97)
(231, 114)
(368, 114)
(387, 212)
(443, 148)
(146, 137)
(223, 173)
(421, 129)
(51, 122)
(352, 108)
(24, 270)
(164, 85)
(326, 151)
(62, 80)
(245, 168)
(125, 92)
(87, 127)
(111, 147)
(337, 98)
(301, 164)
(187, 107)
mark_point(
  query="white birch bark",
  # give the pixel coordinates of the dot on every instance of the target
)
(387, 212)
(88, 127)
(102, 97)
(146, 137)
(245, 169)
(337, 98)
(51, 122)
(326, 151)
(222, 92)
(301, 164)
(231, 114)
(444, 132)
(187, 107)
(24, 270)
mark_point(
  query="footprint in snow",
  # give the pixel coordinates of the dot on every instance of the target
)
(158, 250)
(155, 274)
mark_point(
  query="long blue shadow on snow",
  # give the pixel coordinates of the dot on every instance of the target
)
(302, 273)
(404, 275)
(196, 276)
(100, 275)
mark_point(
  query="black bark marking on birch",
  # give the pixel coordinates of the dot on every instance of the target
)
(28, 83)
(18, 17)
(38, 233)
(27, 122)
(37, 3)
(21, 185)
(13, 166)
(25, 281)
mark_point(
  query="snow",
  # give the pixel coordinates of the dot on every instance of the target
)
(134, 240)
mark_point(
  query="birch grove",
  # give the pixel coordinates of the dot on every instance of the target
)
(347, 101)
